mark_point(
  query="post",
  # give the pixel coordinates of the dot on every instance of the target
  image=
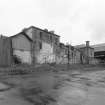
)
(68, 54)
(87, 49)
(33, 52)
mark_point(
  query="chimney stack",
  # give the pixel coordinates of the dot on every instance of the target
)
(46, 30)
(87, 43)
(51, 32)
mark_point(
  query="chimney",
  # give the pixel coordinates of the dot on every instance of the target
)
(51, 32)
(46, 30)
(87, 43)
(24, 29)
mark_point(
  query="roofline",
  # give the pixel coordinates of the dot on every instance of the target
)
(86, 47)
(43, 30)
(21, 33)
(77, 49)
(16, 35)
(98, 44)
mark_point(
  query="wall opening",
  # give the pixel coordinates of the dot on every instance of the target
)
(16, 60)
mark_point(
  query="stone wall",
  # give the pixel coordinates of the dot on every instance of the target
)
(22, 49)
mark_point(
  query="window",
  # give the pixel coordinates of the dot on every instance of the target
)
(91, 53)
(40, 35)
(72, 54)
(56, 41)
(50, 37)
(40, 45)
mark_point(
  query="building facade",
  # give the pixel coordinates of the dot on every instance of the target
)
(21, 48)
(87, 54)
(62, 56)
(36, 46)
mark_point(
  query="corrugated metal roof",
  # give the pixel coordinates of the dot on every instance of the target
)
(99, 47)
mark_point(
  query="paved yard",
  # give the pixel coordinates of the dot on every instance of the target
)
(54, 88)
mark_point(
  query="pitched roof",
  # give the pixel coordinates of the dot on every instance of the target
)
(43, 30)
(22, 33)
(80, 46)
(99, 47)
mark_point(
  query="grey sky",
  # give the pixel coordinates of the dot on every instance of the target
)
(74, 20)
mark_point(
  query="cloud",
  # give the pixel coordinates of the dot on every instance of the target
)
(73, 20)
(96, 20)
(17, 14)
(55, 8)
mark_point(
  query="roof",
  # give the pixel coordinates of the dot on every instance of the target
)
(22, 33)
(99, 47)
(62, 45)
(86, 47)
(73, 48)
(43, 30)
(80, 46)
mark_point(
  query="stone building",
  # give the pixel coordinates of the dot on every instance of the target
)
(37, 46)
(62, 57)
(68, 54)
(21, 48)
(34, 45)
(87, 54)
(74, 55)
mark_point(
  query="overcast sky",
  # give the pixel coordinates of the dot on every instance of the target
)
(74, 20)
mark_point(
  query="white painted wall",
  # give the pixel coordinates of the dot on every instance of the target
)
(46, 54)
(25, 56)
